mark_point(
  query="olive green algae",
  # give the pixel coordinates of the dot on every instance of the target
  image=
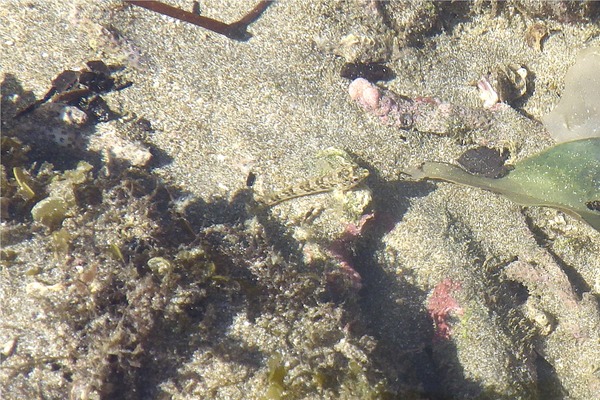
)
(566, 176)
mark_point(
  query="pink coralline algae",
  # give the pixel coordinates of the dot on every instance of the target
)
(424, 114)
(341, 249)
(441, 305)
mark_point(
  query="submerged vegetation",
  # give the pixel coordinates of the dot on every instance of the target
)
(145, 287)
(308, 274)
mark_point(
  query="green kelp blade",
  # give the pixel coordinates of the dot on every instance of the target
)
(566, 177)
(566, 174)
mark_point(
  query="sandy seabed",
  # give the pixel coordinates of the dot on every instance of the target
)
(165, 279)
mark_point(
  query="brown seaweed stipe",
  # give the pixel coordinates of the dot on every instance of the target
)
(236, 30)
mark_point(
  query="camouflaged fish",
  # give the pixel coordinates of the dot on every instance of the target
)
(341, 173)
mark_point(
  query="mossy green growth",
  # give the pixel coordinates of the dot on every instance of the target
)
(13, 151)
(198, 261)
(160, 266)
(61, 201)
(50, 211)
(566, 177)
(276, 376)
(61, 241)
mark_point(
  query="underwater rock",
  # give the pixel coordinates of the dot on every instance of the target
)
(423, 114)
(485, 161)
(566, 177)
(111, 144)
(577, 115)
(559, 10)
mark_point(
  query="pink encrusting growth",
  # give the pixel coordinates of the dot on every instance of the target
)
(341, 249)
(392, 110)
(424, 114)
(441, 305)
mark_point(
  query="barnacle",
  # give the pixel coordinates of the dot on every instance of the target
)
(503, 84)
